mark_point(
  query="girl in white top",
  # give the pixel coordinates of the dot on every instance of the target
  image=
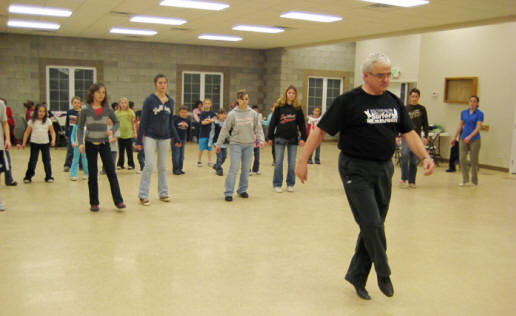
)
(38, 128)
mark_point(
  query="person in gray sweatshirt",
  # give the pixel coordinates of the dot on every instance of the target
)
(245, 128)
(95, 141)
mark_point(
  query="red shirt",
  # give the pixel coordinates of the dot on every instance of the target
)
(99, 110)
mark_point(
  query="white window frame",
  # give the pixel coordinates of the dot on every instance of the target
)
(325, 90)
(71, 80)
(203, 84)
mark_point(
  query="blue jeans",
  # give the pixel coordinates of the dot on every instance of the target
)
(141, 158)
(279, 146)
(256, 164)
(77, 156)
(409, 163)
(150, 145)
(221, 157)
(178, 156)
(240, 156)
(317, 154)
(69, 153)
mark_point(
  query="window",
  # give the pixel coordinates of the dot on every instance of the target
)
(63, 83)
(202, 85)
(322, 91)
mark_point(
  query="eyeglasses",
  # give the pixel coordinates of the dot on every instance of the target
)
(381, 76)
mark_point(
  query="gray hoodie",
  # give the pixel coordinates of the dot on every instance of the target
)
(244, 125)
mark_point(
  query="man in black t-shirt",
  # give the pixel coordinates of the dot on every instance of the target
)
(368, 118)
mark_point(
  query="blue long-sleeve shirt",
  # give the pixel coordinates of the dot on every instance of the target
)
(72, 118)
(157, 119)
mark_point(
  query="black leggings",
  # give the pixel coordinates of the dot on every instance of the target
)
(125, 144)
(45, 154)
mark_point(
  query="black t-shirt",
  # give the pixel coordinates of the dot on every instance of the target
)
(285, 123)
(368, 124)
(204, 131)
(417, 114)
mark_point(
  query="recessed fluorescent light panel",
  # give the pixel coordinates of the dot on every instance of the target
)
(157, 20)
(192, 4)
(214, 37)
(400, 3)
(33, 25)
(119, 30)
(259, 29)
(310, 16)
(23, 9)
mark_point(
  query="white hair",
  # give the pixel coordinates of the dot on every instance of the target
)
(374, 58)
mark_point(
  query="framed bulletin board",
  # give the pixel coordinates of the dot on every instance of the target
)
(459, 89)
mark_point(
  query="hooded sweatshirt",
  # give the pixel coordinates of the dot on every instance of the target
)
(156, 121)
(244, 126)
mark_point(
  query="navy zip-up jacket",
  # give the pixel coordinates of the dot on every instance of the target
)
(156, 121)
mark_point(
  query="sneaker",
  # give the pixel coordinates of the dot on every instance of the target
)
(199, 164)
(12, 184)
(130, 168)
(278, 189)
(2, 206)
(182, 172)
(412, 185)
(258, 173)
(26, 180)
(463, 184)
(139, 171)
(94, 208)
(244, 195)
(145, 202)
(74, 178)
(403, 183)
(177, 173)
(117, 168)
(317, 162)
(210, 164)
(66, 169)
(220, 172)
(164, 198)
(121, 205)
(49, 180)
(250, 173)
(228, 198)
(85, 177)
(309, 162)
(290, 188)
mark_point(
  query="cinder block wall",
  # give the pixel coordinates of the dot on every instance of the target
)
(129, 66)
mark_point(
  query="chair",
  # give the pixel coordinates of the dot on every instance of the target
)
(433, 147)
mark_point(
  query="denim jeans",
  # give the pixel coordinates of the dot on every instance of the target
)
(221, 157)
(45, 153)
(69, 153)
(8, 172)
(92, 152)
(240, 157)
(317, 154)
(141, 158)
(150, 146)
(280, 146)
(77, 156)
(409, 163)
(256, 164)
(178, 156)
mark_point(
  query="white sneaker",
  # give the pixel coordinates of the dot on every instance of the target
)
(199, 164)
(2, 206)
(84, 177)
(258, 173)
(462, 184)
(138, 171)
(278, 189)
(73, 178)
(290, 189)
(210, 164)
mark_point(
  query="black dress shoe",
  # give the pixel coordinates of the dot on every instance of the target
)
(450, 170)
(385, 285)
(361, 291)
(12, 184)
(228, 198)
(244, 195)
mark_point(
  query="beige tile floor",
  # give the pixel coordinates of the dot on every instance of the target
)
(452, 250)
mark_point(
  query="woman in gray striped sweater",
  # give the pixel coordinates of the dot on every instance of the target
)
(94, 116)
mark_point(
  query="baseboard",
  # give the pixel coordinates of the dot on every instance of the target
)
(483, 166)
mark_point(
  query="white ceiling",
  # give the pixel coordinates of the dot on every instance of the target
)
(94, 18)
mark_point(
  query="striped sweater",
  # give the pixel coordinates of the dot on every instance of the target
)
(96, 125)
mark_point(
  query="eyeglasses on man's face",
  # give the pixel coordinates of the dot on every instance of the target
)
(381, 76)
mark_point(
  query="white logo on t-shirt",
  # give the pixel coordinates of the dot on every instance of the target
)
(381, 116)
(161, 108)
